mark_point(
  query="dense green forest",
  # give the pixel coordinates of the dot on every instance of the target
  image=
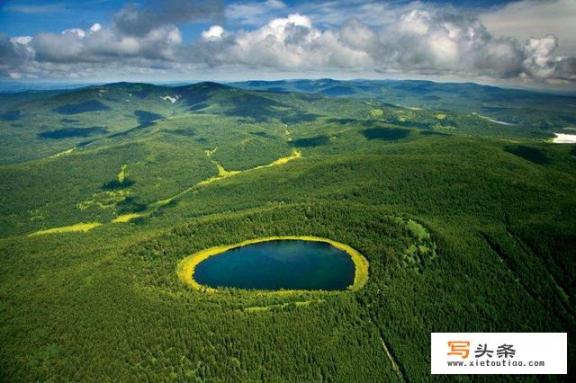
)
(468, 225)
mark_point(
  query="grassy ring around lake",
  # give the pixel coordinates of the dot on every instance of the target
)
(187, 266)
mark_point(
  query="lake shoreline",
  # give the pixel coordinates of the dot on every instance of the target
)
(187, 266)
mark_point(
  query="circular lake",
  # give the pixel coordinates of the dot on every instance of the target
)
(278, 264)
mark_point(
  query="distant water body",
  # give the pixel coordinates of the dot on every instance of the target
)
(564, 138)
(279, 264)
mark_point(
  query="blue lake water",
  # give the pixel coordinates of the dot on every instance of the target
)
(280, 264)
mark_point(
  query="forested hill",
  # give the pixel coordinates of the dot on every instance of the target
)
(513, 105)
(466, 214)
(52, 121)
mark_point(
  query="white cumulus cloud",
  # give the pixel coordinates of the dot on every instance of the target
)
(292, 43)
(528, 18)
(215, 32)
(410, 38)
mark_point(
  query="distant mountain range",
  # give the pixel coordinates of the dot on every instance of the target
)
(97, 113)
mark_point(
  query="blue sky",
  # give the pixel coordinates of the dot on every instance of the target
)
(32, 17)
(29, 17)
(522, 41)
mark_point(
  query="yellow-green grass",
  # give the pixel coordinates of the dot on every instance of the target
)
(84, 227)
(376, 113)
(122, 173)
(210, 152)
(81, 227)
(225, 173)
(222, 173)
(128, 217)
(65, 152)
(440, 116)
(257, 309)
(280, 161)
(187, 266)
(288, 134)
(104, 200)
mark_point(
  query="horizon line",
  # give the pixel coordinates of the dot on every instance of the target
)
(52, 85)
